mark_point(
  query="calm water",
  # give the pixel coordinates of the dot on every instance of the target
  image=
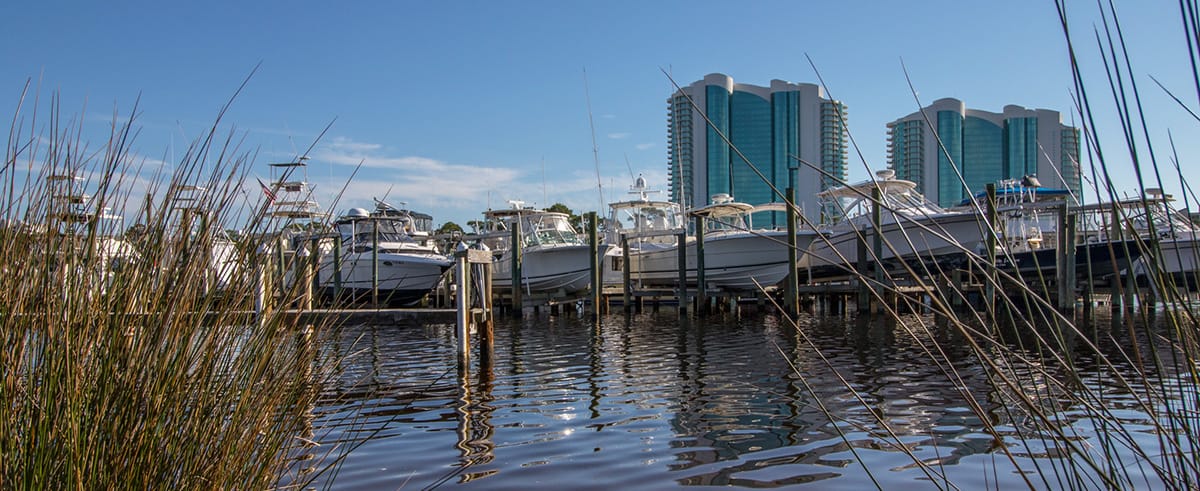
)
(652, 401)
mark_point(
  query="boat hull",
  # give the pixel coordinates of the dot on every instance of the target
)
(1178, 259)
(558, 269)
(402, 280)
(936, 240)
(741, 261)
(1097, 261)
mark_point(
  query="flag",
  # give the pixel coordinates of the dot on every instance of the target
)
(267, 191)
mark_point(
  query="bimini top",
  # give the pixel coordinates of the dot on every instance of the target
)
(886, 183)
(722, 205)
(1006, 195)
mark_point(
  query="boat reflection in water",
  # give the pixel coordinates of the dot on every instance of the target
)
(654, 401)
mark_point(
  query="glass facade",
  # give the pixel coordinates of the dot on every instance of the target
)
(950, 132)
(720, 178)
(1070, 167)
(1020, 136)
(984, 148)
(750, 132)
(833, 150)
(906, 146)
(680, 148)
(983, 154)
(785, 136)
(768, 126)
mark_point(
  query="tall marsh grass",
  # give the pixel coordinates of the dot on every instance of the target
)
(121, 365)
(1062, 381)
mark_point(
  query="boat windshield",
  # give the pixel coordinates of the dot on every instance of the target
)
(645, 218)
(726, 223)
(389, 230)
(907, 203)
(549, 228)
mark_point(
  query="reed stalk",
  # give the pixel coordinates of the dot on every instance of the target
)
(1053, 374)
(123, 364)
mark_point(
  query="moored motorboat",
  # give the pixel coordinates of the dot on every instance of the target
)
(555, 261)
(384, 256)
(1028, 235)
(1169, 238)
(736, 255)
(913, 232)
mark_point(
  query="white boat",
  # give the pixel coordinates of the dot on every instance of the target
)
(651, 229)
(736, 255)
(1176, 254)
(554, 259)
(192, 219)
(913, 230)
(387, 252)
(1028, 234)
(90, 240)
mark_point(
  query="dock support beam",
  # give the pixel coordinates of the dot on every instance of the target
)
(683, 287)
(337, 269)
(375, 263)
(701, 283)
(596, 263)
(993, 224)
(518, 297)
(626, 281)
(1066, 259)
(791, 296)
(467, 314)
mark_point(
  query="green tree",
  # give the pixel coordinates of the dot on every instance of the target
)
(449, 227)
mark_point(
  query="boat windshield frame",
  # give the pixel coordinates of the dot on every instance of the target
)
(392, 229)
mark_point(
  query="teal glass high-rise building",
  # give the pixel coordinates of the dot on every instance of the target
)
(776, 128)
(980, 147)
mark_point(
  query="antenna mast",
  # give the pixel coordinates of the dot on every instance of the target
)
(595, 148)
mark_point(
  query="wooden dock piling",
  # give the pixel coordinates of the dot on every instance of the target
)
(626, 281)
(791, 299)
(701, 283)
(467, 314)
(682, 262)
(517, 248)
(595, 263)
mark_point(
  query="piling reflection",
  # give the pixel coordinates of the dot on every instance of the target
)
(657, 400)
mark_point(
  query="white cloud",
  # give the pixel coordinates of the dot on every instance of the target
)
(618, 136)
(343, 144)
(645, 146)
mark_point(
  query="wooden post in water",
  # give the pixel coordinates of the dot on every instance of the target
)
(337, 269)
(863, 302)
(474, 307)
(314, 261)
(375, 263)
(1065, 269)
(993, 224)
(626, 283)
(877, 243)
(682, 261)
(595, 262)
(262, 284)
(462, 274)
(791, 290)
(701, 282)
(518, 294)
(281, 267)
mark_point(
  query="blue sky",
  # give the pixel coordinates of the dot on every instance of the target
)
(456, 106)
